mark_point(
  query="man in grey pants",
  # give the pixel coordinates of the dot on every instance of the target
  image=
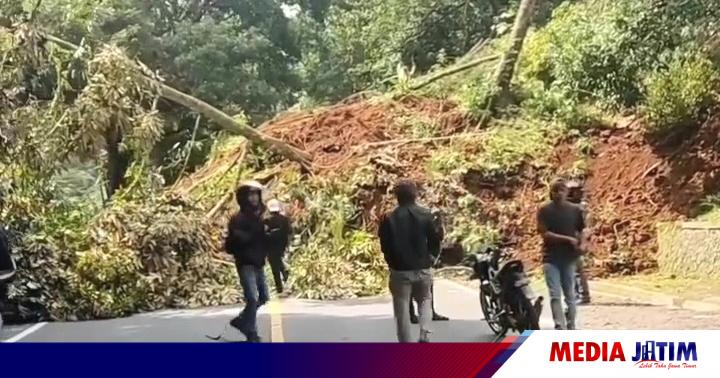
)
(408, 238)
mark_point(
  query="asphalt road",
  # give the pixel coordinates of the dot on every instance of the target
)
(283, 320)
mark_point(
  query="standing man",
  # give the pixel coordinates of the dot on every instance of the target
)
(408, 239)
(437, 221)
(279, 231)
(561, 225)
(246, 241)
(7, 269)
(575, 195)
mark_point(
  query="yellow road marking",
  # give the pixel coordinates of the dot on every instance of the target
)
(276, 328)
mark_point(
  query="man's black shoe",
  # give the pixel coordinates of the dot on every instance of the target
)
(414, 319)
(253, 338)
(438, 317)
(236, 323)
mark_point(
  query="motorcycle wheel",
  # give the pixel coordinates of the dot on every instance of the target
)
(528, 316)
(489, 310)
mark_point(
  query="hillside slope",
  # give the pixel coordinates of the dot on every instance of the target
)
(362, 148)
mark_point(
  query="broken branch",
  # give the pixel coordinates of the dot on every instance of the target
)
(222, 119)
(453, 71)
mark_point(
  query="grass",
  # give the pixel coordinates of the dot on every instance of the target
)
(500, 152)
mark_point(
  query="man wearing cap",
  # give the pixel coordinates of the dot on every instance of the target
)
(246, 241)
(278, 233)
(408, 238)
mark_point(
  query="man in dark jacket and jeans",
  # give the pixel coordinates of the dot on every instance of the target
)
(408, 239)
(246, 241)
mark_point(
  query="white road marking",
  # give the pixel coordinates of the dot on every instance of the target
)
(25, 333)
(276, 327)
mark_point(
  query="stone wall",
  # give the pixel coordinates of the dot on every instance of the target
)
(689, 249)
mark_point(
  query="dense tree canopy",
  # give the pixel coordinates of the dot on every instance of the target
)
(358, 44)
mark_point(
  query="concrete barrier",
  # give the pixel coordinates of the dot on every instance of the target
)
(689, 249)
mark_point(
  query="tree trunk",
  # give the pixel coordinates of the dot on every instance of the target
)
(226, 122)
(506, 69)
(500, 95)
(214, 114)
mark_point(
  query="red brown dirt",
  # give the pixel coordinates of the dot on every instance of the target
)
(631, 185)
(634, 186)
(339, 134)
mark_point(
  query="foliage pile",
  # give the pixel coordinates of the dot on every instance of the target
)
(77, 258)
(361, 149)
(133, 256)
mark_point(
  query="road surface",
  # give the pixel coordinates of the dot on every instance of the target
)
(284, 320)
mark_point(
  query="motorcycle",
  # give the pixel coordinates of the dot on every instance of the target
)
(506, 298)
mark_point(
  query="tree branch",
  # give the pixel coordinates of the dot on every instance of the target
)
(33, 13)
(222, 119)
(453, 71)
(190, 148)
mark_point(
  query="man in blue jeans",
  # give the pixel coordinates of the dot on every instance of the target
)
(246, 241)
(561, 224)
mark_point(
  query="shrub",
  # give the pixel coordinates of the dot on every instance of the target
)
(451, 160)
(599, 50)
(108, 283)
(471, 235)
(499, 152)
(675, 96)
(474, 96)
(555, 104)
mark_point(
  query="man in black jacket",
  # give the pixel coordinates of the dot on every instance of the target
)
(408, 239)
(279, 230)
(246, 241)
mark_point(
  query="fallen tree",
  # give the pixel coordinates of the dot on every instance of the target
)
(214, 114)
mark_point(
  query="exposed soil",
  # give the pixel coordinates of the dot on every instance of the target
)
(339, 135)
(631, 185)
